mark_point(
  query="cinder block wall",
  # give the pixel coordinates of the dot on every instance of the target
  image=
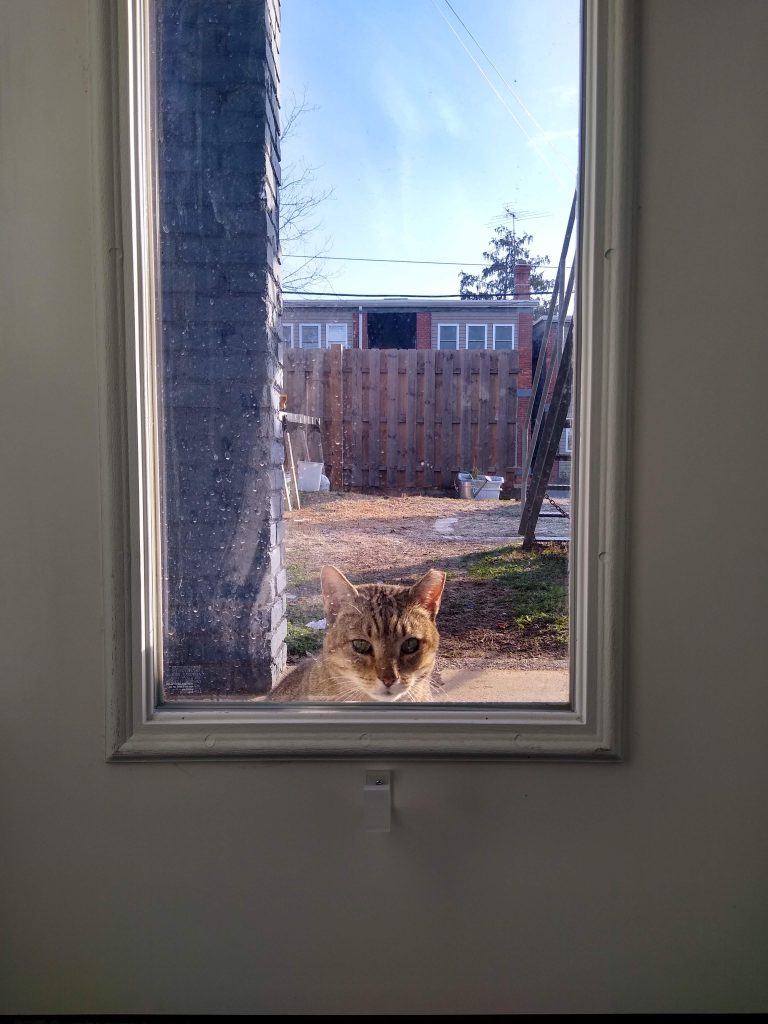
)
(218, 170)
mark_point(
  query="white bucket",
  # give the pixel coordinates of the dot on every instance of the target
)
(309, 474)
(491, 489)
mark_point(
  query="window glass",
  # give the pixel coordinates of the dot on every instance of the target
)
(504, 336)
(342, 517)
(336, 334)
(448, 336)
(476, 334)
(309, 335)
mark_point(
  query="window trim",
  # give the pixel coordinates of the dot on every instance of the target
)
(337, 323)
(311, 348)
(589, 727)
(514, 338)
(466, 337)
(458, 337)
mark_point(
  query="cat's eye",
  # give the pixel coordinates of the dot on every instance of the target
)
(362, 646)
(410, 646)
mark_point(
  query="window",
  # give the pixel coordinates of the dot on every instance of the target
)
(504, 336)
(336, 334)
(287, 334)
(566, 441)
(211, 527)
(309, 335)
(476, 335)
(448, 336)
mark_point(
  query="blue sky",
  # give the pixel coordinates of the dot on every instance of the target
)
(422, 154)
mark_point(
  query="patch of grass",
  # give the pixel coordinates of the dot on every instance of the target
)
(305, 609)
(302, 641)
(536, 585)
(296, 575)
(544, 625)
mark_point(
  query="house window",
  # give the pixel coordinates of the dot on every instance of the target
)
(447, 336)
(476, 335)
(287, 334)
(214, 483)
(309, 335)
(504, 336)
(566, 441)
(336, 334)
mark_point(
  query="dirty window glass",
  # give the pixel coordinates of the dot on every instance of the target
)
(365, 349)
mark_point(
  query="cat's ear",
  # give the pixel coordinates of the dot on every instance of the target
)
(336, 589)
(429, 590)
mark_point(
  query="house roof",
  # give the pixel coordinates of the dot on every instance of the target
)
(411, 305)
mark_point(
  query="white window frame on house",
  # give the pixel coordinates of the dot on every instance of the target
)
(513, 346)
(289, 328)
(484, 328)
(318, 328)
(328, 341)
(449, 348)
(140, 727)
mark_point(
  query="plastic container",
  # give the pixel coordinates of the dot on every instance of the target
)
(481, 488)
(490, 489)
(309, 474)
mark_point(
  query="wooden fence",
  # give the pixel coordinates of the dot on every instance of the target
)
(407, 420)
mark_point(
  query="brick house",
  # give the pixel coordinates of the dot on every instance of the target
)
(416, 324)
(443, 324)
(419, 324)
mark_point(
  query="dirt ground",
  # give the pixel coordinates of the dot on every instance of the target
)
(395, 539)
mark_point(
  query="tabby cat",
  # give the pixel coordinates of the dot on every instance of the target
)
(380, 643)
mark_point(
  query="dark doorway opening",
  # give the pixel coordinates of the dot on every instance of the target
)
(391, 330)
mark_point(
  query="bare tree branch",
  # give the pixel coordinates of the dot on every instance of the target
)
(300, 199)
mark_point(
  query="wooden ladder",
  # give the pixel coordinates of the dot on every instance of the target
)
(546, 441)
(550, 391)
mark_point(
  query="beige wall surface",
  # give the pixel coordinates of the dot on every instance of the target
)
(502, 887)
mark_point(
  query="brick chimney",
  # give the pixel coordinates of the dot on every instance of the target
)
(522, 281)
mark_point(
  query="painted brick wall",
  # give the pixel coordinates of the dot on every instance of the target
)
(223, 569)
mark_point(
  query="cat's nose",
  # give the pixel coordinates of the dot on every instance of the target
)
(389, 682)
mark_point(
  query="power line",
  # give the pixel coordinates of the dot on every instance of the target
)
(558, 174)
(385, 295)
(432, 263)
(493, 88)
(376, 259)
(503, 79)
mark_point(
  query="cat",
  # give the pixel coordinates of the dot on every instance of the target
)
(380, 643)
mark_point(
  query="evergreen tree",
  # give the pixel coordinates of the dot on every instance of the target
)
(497, 279)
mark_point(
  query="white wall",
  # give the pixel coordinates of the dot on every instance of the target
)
(247, 888)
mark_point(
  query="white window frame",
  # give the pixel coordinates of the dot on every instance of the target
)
(311, 348)
(289, 327)
(466, 336)
(345, 343)
(514, 337)
(458, 338)
(588, 728)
